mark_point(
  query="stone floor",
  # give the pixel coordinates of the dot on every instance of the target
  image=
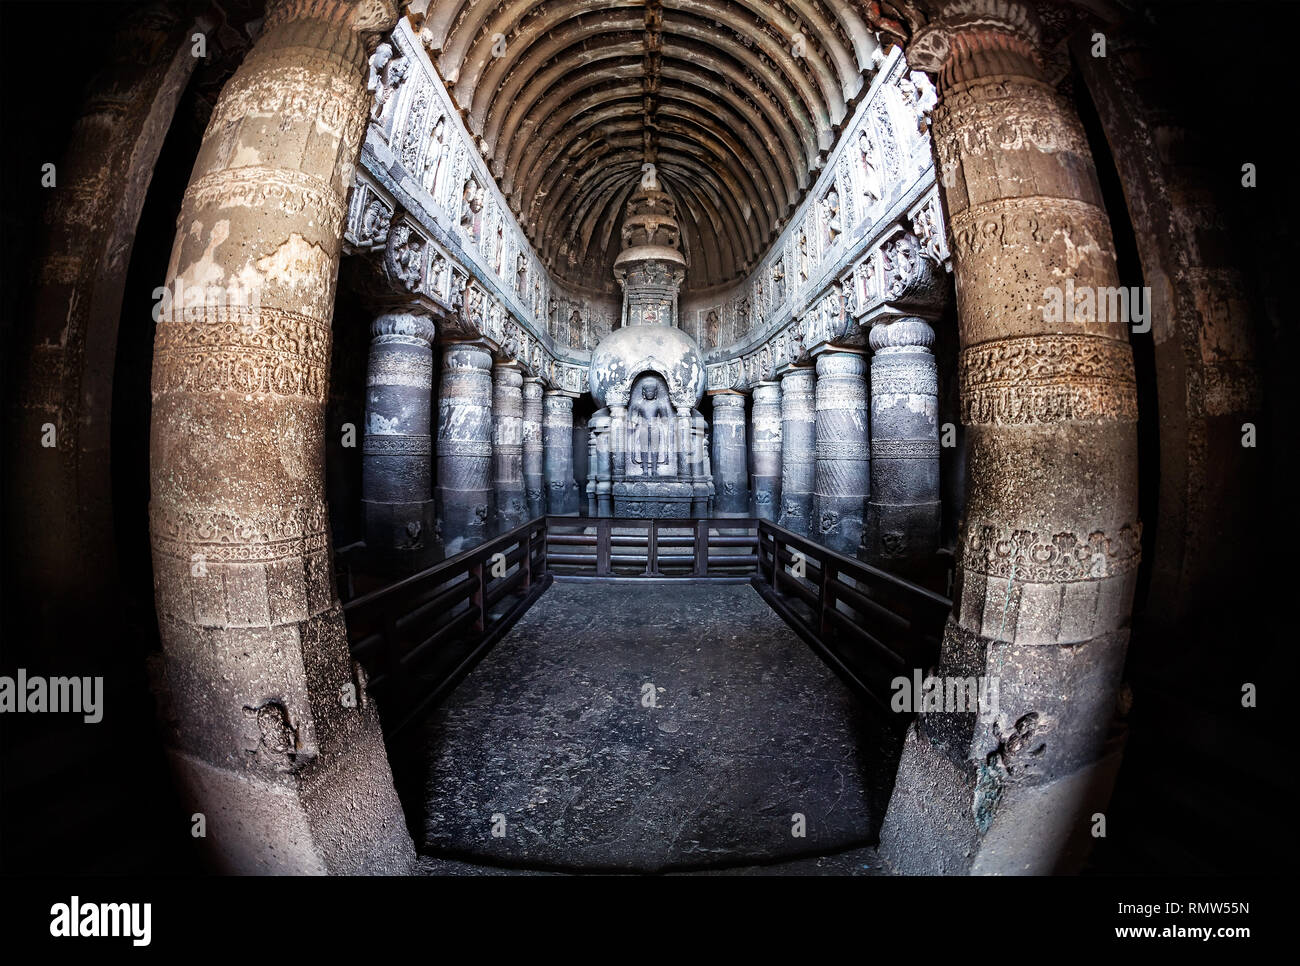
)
(550, 741)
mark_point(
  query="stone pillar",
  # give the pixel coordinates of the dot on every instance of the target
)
(798, 448)
(396, 454)
(464, 490)
(702, 487)
(534, 478)
(730, 455)
(557, 435)
(508, 444)
(268, 725)
(842, 471)
(593, 469)
(601, 435)
(902, 526)
(683, 432)
(765, 462)
(617, 441)
(1050, 541)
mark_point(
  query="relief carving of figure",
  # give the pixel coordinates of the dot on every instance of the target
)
(374, 221)
(833, 227)
(872, 182)
(650, 427)
(386, 74)
(405, 257)
(900, 264)
(778, 280)
(433, 160)
(471, 205)
(712, 330)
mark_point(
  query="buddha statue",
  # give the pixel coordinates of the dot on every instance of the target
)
(650, 428)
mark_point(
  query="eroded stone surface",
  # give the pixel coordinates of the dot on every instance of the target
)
(550, 732)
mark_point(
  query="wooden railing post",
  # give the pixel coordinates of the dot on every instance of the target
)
(652, 549)
(603, 568)
(526, 545)
(764, 530)
(823, 597)
(479, 598)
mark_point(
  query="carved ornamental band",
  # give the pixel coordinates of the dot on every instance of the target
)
(1044, 379)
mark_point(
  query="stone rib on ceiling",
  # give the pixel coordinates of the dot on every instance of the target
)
(570, 98)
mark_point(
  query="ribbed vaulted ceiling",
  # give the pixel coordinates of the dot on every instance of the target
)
(736, 103)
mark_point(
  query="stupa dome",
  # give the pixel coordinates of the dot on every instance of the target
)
(627, 352)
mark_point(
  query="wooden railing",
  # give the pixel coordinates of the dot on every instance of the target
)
(418, 637)
(869, 625)
(601, 549)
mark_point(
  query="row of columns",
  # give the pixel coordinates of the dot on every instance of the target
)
(504, 443)
(815, 435)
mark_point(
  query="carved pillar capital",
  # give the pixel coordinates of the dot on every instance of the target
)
(902, 335)
(404, 326)
(978, 38)
(365, 18)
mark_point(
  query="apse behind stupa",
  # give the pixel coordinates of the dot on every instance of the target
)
(648, 439)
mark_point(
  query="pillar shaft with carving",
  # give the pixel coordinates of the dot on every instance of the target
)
(397, 452)
(730, 455)
(534, 471)
(903, 513)
(1050, 541)
(842, 471)
(267, 719)
(702, 479)
(464, 492)
(765, 462)
(508, 444)
(798, 448)
(557, 435)
(602, 462)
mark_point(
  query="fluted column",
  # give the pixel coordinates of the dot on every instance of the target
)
(730, 456)
(289, 772)
(464, 491)
(765, 440)
(557, 436)
(842, 470)
(798, 448)
(508, 444)
(396, 453)
(902, 527)
(534, 472)
(1050, 541)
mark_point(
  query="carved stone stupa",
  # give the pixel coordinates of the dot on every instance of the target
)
(648, 375)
